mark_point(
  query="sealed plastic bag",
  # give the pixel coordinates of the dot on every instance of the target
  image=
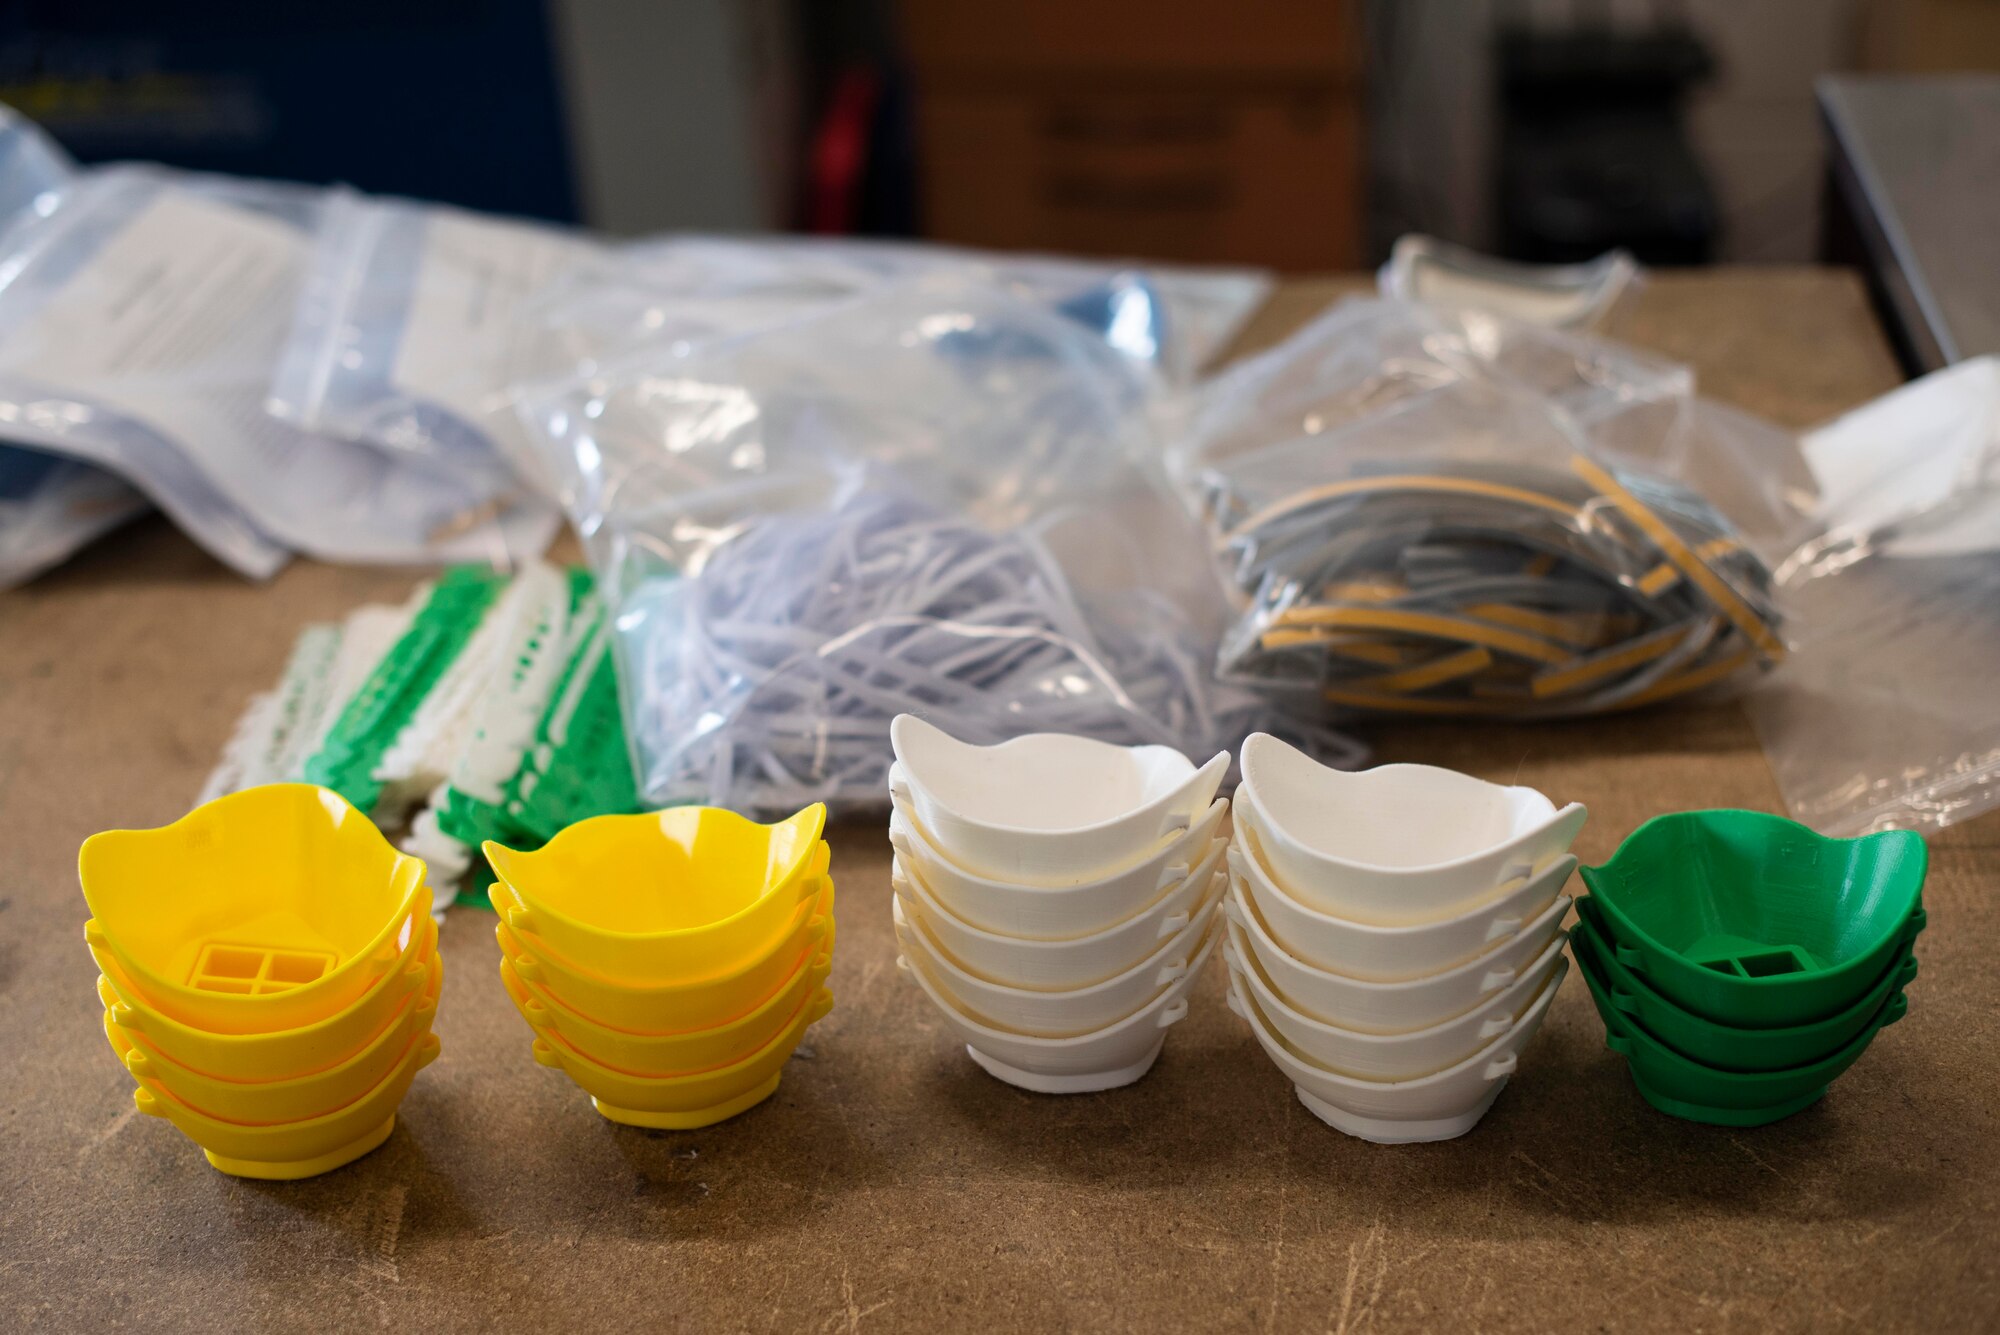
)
(140, 313)
(1886, 716)
(938, 498)
(1563, 296)
(30, 162)
(652, 294)
(49, 506)
(1173, 318)
(1428, 511)
(405, 328)
(420, 327)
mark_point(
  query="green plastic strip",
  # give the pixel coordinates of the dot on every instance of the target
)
(578, 765)
(370, 722)
(472, 819)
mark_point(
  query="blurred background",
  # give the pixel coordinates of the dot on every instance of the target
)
(1300, 134)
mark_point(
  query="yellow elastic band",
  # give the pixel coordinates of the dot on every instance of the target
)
(1677, 551)
(1360, 648)
(1665, 575)
(1585, 632)
(1407, 482)
(1430, 625)
(1659, 579)
(1366, 591)
(1587, 671)
(1691, 680)
(1380, 653)
(1425, 675)
(1418, 704)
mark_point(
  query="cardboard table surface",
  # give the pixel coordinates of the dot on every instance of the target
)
(890, 1184)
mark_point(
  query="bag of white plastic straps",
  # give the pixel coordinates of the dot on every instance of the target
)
(1447, 513)
(421, 326)
(1886, 715)
(141, 311)
(936, 498)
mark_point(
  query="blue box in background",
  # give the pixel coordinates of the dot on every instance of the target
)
(458, 100)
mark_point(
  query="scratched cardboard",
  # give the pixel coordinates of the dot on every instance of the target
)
(890, 1185)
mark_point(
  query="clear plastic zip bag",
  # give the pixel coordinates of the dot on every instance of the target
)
(30, 162)
(140, 313)
(406, 328)
(936, 498)
(419, 327)
(49, 506)
(1562, 296)
(655, 294)
(1885, 716)
(1444, 512)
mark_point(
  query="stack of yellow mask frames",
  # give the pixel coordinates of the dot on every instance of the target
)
(269, 972)
(669, 962)
(1490, 589)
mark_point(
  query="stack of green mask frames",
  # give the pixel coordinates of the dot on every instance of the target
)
(1741, 962)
